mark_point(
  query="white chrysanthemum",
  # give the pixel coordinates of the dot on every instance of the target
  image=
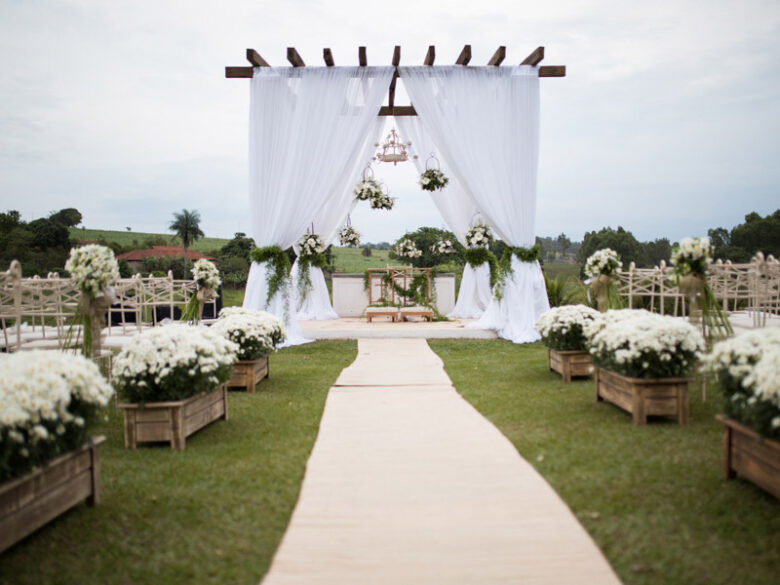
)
(605, 261)
(310, 245)
(256, 330)
(205, 273)
(349, 236)
(93, 269)
(560, 320)
(406, 248)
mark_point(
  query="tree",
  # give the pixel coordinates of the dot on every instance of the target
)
(744, 240)
(620, 240)
(69, 217)
(564, 243)
(424, 238)
(186, 226)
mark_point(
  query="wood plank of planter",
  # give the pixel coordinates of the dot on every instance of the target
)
(746, 453)
(644, 397)
(246, 374)
(569, 364)
(27, 503)
(173, 421)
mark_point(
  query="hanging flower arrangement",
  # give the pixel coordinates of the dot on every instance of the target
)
(206, 276)
(406, 248)
(443, 247)
(349, 236)
(479, 236)
(311, 252)
(368, 189)
(382, 202)
(433, 179)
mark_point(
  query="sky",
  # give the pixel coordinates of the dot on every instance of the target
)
(667, 123)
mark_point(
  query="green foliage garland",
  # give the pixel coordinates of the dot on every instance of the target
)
(478, 256)
(280, 262)
(505, 265)
(304, 278)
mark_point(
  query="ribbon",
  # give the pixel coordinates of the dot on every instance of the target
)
(692, 287)
(600, 288)
(204, 296)
(94, 310)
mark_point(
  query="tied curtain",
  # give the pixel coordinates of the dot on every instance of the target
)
(307, 128)
(485, 122)
(459, 212)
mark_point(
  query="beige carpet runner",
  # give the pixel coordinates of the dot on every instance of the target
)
(408, 484)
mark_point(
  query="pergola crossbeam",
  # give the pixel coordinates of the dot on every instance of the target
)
(534, 58)
(552, 71)
(255, 59)
(498, 57)
(294, 58)
(465, 56)
(362, 59)
(396, 62)
(430, 56)
(327, 56)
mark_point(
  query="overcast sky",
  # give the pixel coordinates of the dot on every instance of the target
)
(668, 122)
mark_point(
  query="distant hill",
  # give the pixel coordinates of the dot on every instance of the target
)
(125, 238)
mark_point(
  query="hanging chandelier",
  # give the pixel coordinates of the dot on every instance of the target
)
(393, 149)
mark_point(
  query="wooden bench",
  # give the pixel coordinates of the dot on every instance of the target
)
(423, 312)
(372, 312)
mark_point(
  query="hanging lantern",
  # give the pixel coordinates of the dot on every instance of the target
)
(393, 149)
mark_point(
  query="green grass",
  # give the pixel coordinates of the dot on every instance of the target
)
(232, 298)
(125, 238)
(562, 270)
(653, 497)
(213, 513)
(351, 261)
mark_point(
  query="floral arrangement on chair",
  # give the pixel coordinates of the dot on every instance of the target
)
(641, 344)
(47, 401)
(562, 328)
(406, 248)
(206, 276)
(601, 267)
(748, 369)
(349, 236)
(690, 260)
(172, 363)
(311, 252)
(256, 333)
(443, 247)
(94, 270)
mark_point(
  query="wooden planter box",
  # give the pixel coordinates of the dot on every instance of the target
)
(31, 501)
(644, 397)
(569, 364)
(173, 421)
(747, 454)
(246, 374)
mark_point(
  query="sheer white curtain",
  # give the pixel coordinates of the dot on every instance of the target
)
(327, 222)
(307, 126)
(459, 211)
(485, 121)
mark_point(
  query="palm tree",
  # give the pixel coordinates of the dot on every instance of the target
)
(186, 225)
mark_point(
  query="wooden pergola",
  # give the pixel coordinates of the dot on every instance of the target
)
(391, 109)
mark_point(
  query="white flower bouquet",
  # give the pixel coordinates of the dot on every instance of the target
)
(479, 236)
(382, 202)
(561, 328)
(643, 345)
(172, 363)
(748, 369)
(433, 179)
(93, 269)
(443, 247)
(47, 399)
(368, 190)
(406, 248)
(349, 236)
(605, 261)
(256, 333)
(206, 274)
(692, 255)
(310, 245)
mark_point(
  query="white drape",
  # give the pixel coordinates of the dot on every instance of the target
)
(485, 121)
(307, 126)
(458, 210)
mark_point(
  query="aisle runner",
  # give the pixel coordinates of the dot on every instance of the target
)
(407, 484)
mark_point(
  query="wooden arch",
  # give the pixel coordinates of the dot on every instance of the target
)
(391, 109)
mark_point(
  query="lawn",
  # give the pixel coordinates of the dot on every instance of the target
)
(653, 498)
(126, 238)
(351, 260)
(213, 513)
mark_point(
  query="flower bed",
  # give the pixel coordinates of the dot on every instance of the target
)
(47, 400)
(257, 334)
(748, 369)
(642, 360)
(561, 329)
(169, 368)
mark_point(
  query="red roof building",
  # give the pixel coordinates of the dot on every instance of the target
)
(135, 258)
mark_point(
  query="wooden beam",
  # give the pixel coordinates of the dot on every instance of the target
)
(552, 71)
(498, 57)
(397, 111)
(430, 56)
(396, 56)
(534, 58)
(328, 56)
(396, 62)
(465, 56)
(294, 58)
(362, 59)
(255, 59)
(239, 72)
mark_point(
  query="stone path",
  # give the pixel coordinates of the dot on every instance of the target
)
(408, 484)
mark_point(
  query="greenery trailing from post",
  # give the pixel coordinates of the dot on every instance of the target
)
(276, 279)
(505, 265)
(478, 256)
(304, 275)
